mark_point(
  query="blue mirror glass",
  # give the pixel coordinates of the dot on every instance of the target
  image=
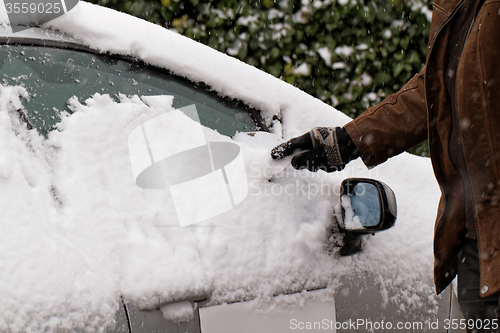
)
(366, 205)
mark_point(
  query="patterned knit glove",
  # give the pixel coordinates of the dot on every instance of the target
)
(326, 148)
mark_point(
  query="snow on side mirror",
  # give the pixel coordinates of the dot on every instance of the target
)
(368, 206)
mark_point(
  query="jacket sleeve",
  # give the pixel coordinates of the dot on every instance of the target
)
(396, 124)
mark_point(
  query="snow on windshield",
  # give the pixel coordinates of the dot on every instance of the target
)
(77, 233)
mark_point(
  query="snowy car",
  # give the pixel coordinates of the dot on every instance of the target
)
(96, 236)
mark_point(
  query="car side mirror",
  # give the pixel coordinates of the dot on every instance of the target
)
(368, 206)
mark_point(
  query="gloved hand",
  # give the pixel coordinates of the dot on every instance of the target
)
(328, 149)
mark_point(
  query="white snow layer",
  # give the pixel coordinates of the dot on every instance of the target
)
(351, 221)
(77, 233)
(178, 312)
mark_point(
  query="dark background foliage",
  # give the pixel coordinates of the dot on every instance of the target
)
(348, 53)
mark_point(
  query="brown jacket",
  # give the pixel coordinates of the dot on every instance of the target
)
(421, 110)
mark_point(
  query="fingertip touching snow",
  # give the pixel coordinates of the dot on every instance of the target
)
(77, 232)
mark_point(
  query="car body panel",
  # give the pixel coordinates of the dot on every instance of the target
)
(153, 321)
(314, 316)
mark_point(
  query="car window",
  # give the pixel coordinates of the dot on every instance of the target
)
(53, 75)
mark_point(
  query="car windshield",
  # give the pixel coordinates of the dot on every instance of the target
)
(52, 76)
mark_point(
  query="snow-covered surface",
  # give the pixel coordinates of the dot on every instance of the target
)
(178, 311)
(351, 221)
(77, 232)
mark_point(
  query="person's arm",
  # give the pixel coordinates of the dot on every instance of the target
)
(396, 124)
